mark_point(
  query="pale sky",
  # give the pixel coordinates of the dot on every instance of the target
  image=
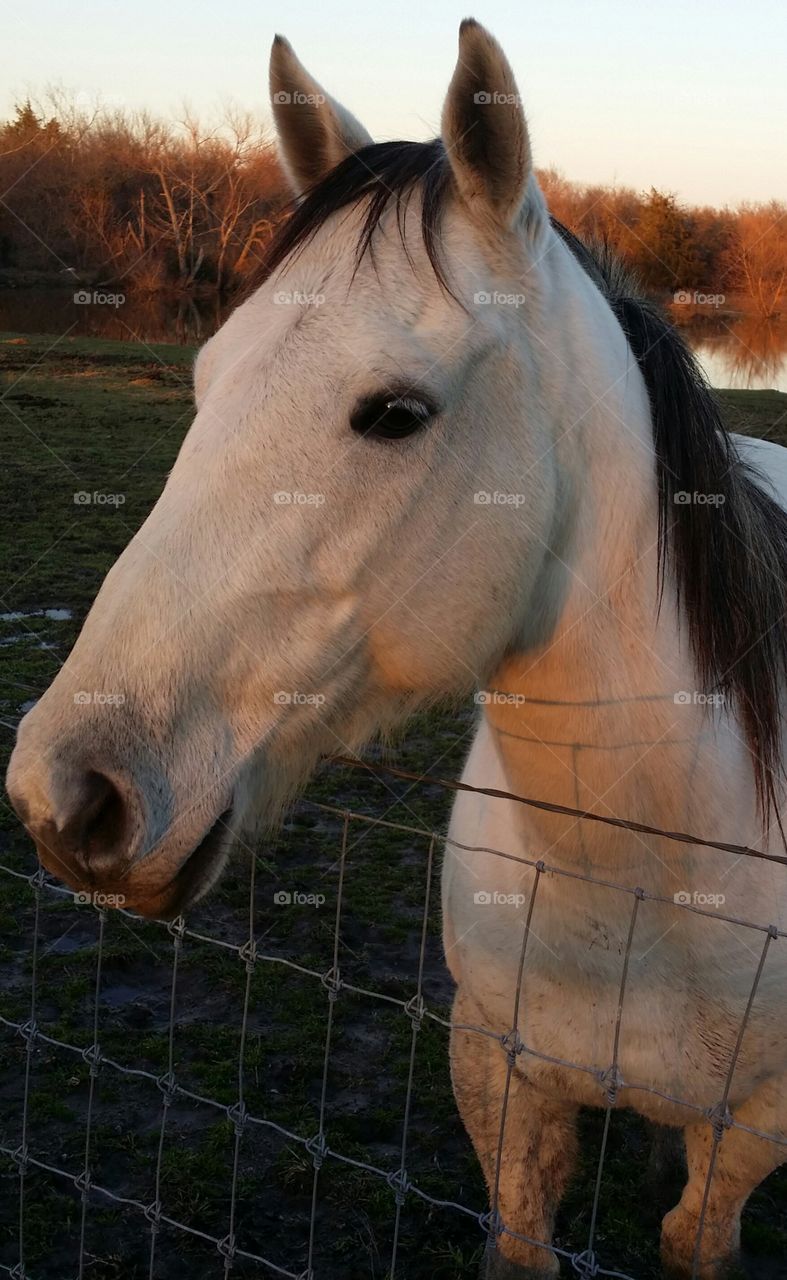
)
(686, 95)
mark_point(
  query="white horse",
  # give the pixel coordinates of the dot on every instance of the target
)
(442, 447)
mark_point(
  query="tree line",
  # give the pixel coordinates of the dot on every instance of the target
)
(109, 196)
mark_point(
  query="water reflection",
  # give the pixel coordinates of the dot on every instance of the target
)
(747, 352)
(145, 317)
(744, 352)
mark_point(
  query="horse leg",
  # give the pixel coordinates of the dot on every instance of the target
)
(742, 1162)
(538, 1152)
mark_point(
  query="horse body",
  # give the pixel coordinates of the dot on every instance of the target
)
(474, 463)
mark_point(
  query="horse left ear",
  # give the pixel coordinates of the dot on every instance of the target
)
(484, 130)
(315, 132)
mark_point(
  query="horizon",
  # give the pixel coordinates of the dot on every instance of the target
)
(720, 102)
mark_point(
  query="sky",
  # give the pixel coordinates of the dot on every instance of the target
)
(689, 96)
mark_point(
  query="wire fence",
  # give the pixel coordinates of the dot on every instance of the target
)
(166, 1088)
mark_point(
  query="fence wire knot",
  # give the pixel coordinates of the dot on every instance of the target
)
(37, 880)
(317, 1148)
(28, 1031)
(227, 1248)
(415, 1009)
(18, 1272)
(176, 927)
(92, 1056)
(611, 1082)
(586, 1264)
(720, 1119)
(492, 1224)
(397, 1181)
(83, 1183)
(238, 1115)
(332, 982)
(513, 1044)
(166, 1084)
(19, 1158)
(248, 954)
(153, 1214)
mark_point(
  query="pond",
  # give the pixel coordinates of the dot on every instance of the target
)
(743, 351)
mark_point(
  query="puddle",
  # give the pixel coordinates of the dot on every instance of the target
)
(54, 615)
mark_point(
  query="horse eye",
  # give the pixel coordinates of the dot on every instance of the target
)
(391, 417)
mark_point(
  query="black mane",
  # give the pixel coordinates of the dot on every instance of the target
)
(729, 559)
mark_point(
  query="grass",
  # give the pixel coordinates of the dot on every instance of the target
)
(83, 416)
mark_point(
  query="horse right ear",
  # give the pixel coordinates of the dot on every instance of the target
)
(484, 130)
(315, 132)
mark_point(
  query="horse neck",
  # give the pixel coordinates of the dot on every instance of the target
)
(588, 717)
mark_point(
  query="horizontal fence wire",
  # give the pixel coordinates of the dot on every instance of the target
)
(511, 1041)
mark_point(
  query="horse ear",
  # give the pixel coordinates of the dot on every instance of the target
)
(484, 129)
(315, 132)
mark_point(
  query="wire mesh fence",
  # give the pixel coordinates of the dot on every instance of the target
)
(165, 1089)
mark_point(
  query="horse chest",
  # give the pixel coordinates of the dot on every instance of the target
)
(687, 977)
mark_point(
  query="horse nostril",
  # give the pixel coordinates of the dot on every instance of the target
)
(98, 829)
